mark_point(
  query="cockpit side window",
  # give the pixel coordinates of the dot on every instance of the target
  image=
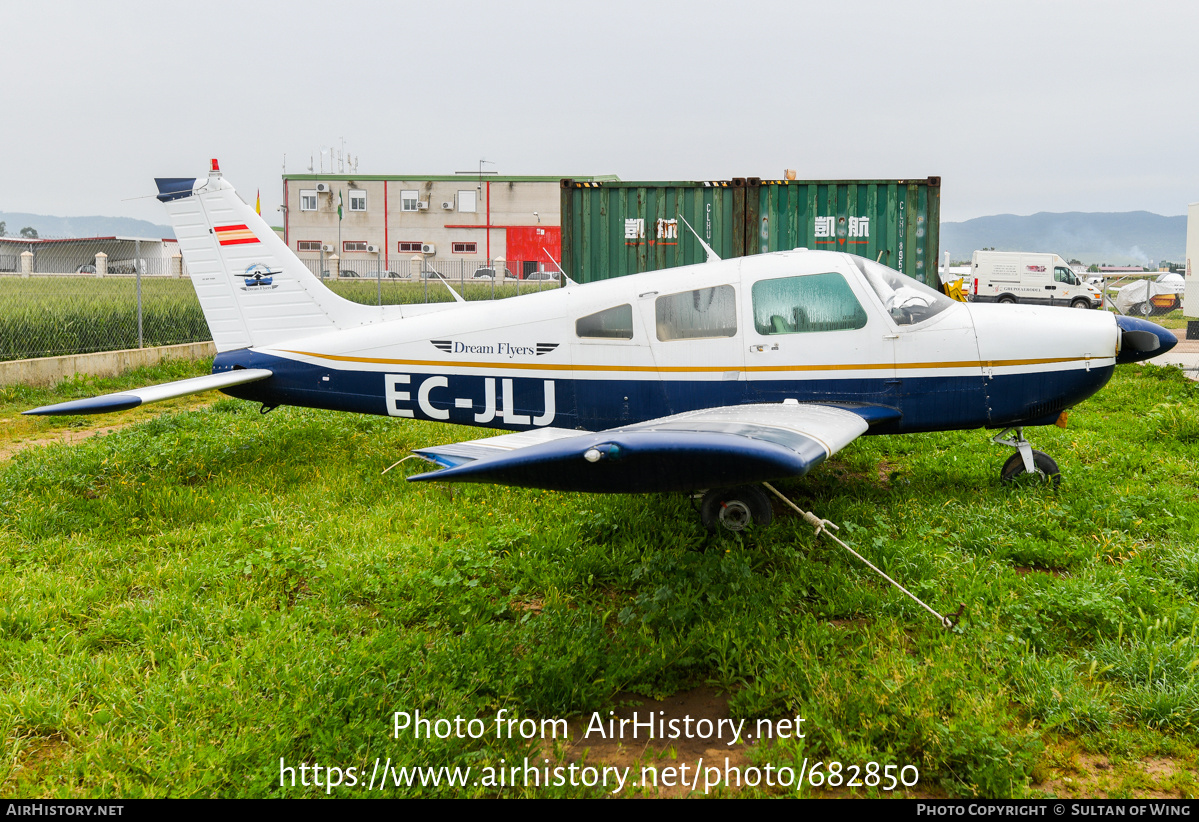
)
(610, 324)
(813, 302)
(690, 315)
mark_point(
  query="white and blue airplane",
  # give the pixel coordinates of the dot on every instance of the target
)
(715, 377)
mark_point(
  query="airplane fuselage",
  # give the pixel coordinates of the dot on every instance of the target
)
(729, 333)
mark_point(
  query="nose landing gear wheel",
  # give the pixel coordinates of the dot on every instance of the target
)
(1043, 466)
(735, 509)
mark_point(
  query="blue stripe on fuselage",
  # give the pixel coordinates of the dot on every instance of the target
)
(926, 403)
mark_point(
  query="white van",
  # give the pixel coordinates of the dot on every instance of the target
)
(1031, 278)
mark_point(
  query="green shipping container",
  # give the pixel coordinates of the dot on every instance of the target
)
(610, 229)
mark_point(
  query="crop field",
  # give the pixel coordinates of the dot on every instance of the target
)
(58, 315)
(54, 316)
(196, 598)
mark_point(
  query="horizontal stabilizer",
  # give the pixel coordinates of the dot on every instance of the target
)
(702, 449)
(156, 393)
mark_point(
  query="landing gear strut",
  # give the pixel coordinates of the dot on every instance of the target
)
(735, 509)
(1026, 460)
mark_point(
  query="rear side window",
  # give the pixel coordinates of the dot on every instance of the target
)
(609, 324)
(705, 312)
(798, 305)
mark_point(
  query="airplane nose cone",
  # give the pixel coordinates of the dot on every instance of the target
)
(1141, 340)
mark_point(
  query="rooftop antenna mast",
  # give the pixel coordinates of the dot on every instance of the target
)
(481, 162)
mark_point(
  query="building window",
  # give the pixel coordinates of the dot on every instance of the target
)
(353, 245)
(308, 245)
(410, 247)
(466, 248)
(467, 201)
(409, 200)
(357, 200)
(308, 200)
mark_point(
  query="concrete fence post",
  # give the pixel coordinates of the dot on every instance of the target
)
(335, 266)
(176, 265)
(414, 266)
(101, 264)
(26, 263)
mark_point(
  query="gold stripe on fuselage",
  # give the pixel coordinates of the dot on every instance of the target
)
(695, 369)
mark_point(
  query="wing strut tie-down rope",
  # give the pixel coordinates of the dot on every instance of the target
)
(397, 462)
(823, 526)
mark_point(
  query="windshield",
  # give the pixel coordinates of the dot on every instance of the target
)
(906, 300)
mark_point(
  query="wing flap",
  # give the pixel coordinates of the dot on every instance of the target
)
(125, 400)
(702, 449)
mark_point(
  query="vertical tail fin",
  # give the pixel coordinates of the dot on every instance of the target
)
(253, 290)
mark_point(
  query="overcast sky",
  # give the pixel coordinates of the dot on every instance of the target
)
(1019, 106)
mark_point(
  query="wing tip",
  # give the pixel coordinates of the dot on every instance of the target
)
(94, 405)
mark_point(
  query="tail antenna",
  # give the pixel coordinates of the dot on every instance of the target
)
(713, 257)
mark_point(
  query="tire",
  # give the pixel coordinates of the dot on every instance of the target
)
(1043, 464)
(735, 509)
(1145, 309)
(1080, 303)
(1007, 298)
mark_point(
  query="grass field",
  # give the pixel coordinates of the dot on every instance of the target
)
(58, 315)
(54, 316)
(204, 591)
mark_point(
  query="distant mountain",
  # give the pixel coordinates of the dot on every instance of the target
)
(1118, 238)
(59, 227)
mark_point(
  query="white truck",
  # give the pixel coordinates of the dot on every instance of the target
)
(1027, 277)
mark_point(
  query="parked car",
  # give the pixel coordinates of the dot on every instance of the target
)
(488, 273)
(127, 268)
(86, 269)
(542, 275)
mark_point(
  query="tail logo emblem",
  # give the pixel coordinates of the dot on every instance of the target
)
(259, 277)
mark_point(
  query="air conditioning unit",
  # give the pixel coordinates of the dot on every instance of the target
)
(422, 205)
(372, 249)
(328, 249)
(428, 248)
(448, 205)
(322, 188)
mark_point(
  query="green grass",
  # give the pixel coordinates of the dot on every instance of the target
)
(54, 316)
(60, 315)
(190, 598)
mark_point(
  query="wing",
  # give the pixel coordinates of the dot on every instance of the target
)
(713, 448)
(155, 393)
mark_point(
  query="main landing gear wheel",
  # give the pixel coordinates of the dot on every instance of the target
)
(735, 509)
(1145, 309)
(1043, 466)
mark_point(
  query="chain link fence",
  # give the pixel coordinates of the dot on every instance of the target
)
(367, 280)
(61, 297)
